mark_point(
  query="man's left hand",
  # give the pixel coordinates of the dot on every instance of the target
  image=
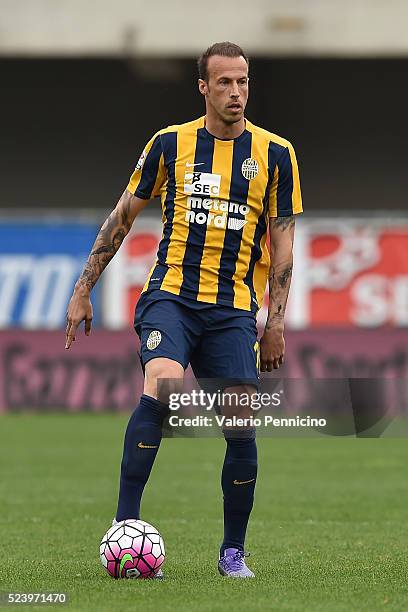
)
(272, 348)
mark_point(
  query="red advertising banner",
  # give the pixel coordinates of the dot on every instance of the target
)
(347, 273)
(350, 272)
(103, 372)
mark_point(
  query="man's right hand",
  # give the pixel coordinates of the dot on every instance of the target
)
(107, 242)
(79, 309)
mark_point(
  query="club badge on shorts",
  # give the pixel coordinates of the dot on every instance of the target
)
(249, 168)
(153, 340)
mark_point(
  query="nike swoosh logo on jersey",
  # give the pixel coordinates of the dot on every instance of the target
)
(240, 482)
(141, 445)
(191, 165)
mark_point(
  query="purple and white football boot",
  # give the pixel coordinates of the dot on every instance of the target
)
(232, 564)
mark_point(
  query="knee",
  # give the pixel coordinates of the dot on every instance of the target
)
(163, 377)
(237, 401)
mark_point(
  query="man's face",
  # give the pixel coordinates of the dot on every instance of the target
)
(227, 88)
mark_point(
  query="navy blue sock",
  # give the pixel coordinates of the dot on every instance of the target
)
(142, 441)
(238, 485)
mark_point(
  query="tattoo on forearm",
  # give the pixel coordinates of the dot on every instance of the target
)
(284, 276)
(280, 273)
(279, 283)
(108, 241)
(283, 223)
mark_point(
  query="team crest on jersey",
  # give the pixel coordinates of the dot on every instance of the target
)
(153, 340)
(141, 161)
(249, 168)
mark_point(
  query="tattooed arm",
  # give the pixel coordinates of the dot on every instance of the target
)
(108, 241)
(272, 344)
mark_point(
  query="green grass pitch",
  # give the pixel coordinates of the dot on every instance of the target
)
(329, 530)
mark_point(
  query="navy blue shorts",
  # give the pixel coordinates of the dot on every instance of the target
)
(219, 342)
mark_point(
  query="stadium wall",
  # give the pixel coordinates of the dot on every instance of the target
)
(70, 27)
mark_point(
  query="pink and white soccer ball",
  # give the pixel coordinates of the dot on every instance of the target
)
(132, 549)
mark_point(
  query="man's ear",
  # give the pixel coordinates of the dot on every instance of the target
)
(202, 87)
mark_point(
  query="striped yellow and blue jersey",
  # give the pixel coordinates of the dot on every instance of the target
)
(217, 196)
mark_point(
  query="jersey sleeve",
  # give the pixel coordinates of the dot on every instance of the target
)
(285, 198)
(150, 172)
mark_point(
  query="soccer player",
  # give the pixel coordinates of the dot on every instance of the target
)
(222, 181)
